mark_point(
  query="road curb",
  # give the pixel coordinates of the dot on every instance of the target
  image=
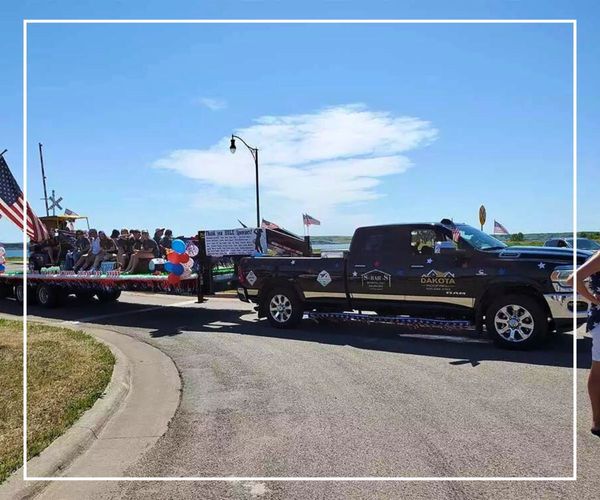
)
(77, 439)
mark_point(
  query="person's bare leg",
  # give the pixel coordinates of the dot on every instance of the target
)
(97, 261)
(132, 263)
(594, 392)
(79, 263)
(121, 258)
(89, 261)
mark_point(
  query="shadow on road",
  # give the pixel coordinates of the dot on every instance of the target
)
(195, 319)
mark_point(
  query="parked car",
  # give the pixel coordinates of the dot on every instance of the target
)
(582, 243)
(427, 271)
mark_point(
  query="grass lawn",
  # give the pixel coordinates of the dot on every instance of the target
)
(67, 371)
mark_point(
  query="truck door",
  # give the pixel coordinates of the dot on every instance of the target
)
(375, 273)
(438, 272)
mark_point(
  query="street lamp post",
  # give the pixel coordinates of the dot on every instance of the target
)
(254, 153)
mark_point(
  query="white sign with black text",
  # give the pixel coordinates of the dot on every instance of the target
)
(246, 241)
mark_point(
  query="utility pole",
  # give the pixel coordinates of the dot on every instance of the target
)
(44, 179)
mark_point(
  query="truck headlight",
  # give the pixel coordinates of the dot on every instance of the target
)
(559, 279)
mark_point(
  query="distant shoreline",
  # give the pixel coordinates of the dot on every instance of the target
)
(341, 239)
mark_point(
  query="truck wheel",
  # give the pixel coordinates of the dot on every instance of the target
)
(108, 296)
(284, 308)
(47, 296)
(516, 322)
(19, 293)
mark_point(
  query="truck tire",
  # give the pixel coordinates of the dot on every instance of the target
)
(18, 293)
(108, 296)
(516, 322)
(47, 296)
(283, 307)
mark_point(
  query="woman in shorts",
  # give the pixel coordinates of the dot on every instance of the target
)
(591, 270)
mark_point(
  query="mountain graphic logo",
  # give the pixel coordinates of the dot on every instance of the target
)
(438, 274)
(439, 278)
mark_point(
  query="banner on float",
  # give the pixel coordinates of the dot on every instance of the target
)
(243, 241)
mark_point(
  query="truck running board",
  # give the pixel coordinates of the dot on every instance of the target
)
(392, 320)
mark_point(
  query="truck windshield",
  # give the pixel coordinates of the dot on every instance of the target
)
(478, 239)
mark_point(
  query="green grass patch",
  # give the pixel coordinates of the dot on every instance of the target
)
(67, 372)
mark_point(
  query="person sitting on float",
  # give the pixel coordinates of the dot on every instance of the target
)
(145, 248)
(165, 242)
(106, 252)
(80, 247)
(86, 261)
(124, 248)
(51, 246)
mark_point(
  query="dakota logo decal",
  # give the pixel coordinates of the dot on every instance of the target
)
(438, 278)
(323, 278)
(376, 280)
(438, 281)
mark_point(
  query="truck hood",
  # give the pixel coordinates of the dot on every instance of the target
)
(548, 253)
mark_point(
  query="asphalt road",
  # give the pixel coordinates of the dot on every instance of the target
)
(331, 400)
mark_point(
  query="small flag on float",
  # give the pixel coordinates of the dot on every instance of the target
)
(268, 225)
(310, 221)
(70, 212)
(499, 228)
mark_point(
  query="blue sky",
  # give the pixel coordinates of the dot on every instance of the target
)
(356, 124)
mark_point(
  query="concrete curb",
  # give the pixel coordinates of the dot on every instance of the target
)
(66, 448)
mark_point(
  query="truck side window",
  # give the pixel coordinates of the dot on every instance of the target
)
(386, 243)
(422, 241)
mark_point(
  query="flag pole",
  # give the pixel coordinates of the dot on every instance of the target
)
(44, 179)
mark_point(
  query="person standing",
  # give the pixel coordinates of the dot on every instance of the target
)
(591, 270)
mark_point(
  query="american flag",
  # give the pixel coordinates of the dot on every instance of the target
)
(11, 205)
(310, 221)
(455, 235)
(268, 225)
(499, 228)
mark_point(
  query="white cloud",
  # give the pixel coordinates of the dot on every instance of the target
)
(212, 103)
(315, 162)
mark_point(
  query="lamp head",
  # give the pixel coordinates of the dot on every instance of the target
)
(232, 145)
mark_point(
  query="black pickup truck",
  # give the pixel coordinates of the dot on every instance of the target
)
(427, 270)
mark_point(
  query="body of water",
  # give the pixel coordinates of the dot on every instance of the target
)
(13, 252)
(332, 247)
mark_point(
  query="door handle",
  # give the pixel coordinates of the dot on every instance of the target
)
(417, 266)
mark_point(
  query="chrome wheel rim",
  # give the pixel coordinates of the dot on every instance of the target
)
(43, 295)
(514, 323)
(280, 308)
(19, 293)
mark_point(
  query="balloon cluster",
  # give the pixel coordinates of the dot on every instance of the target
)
(179, 261)
(2, 259)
